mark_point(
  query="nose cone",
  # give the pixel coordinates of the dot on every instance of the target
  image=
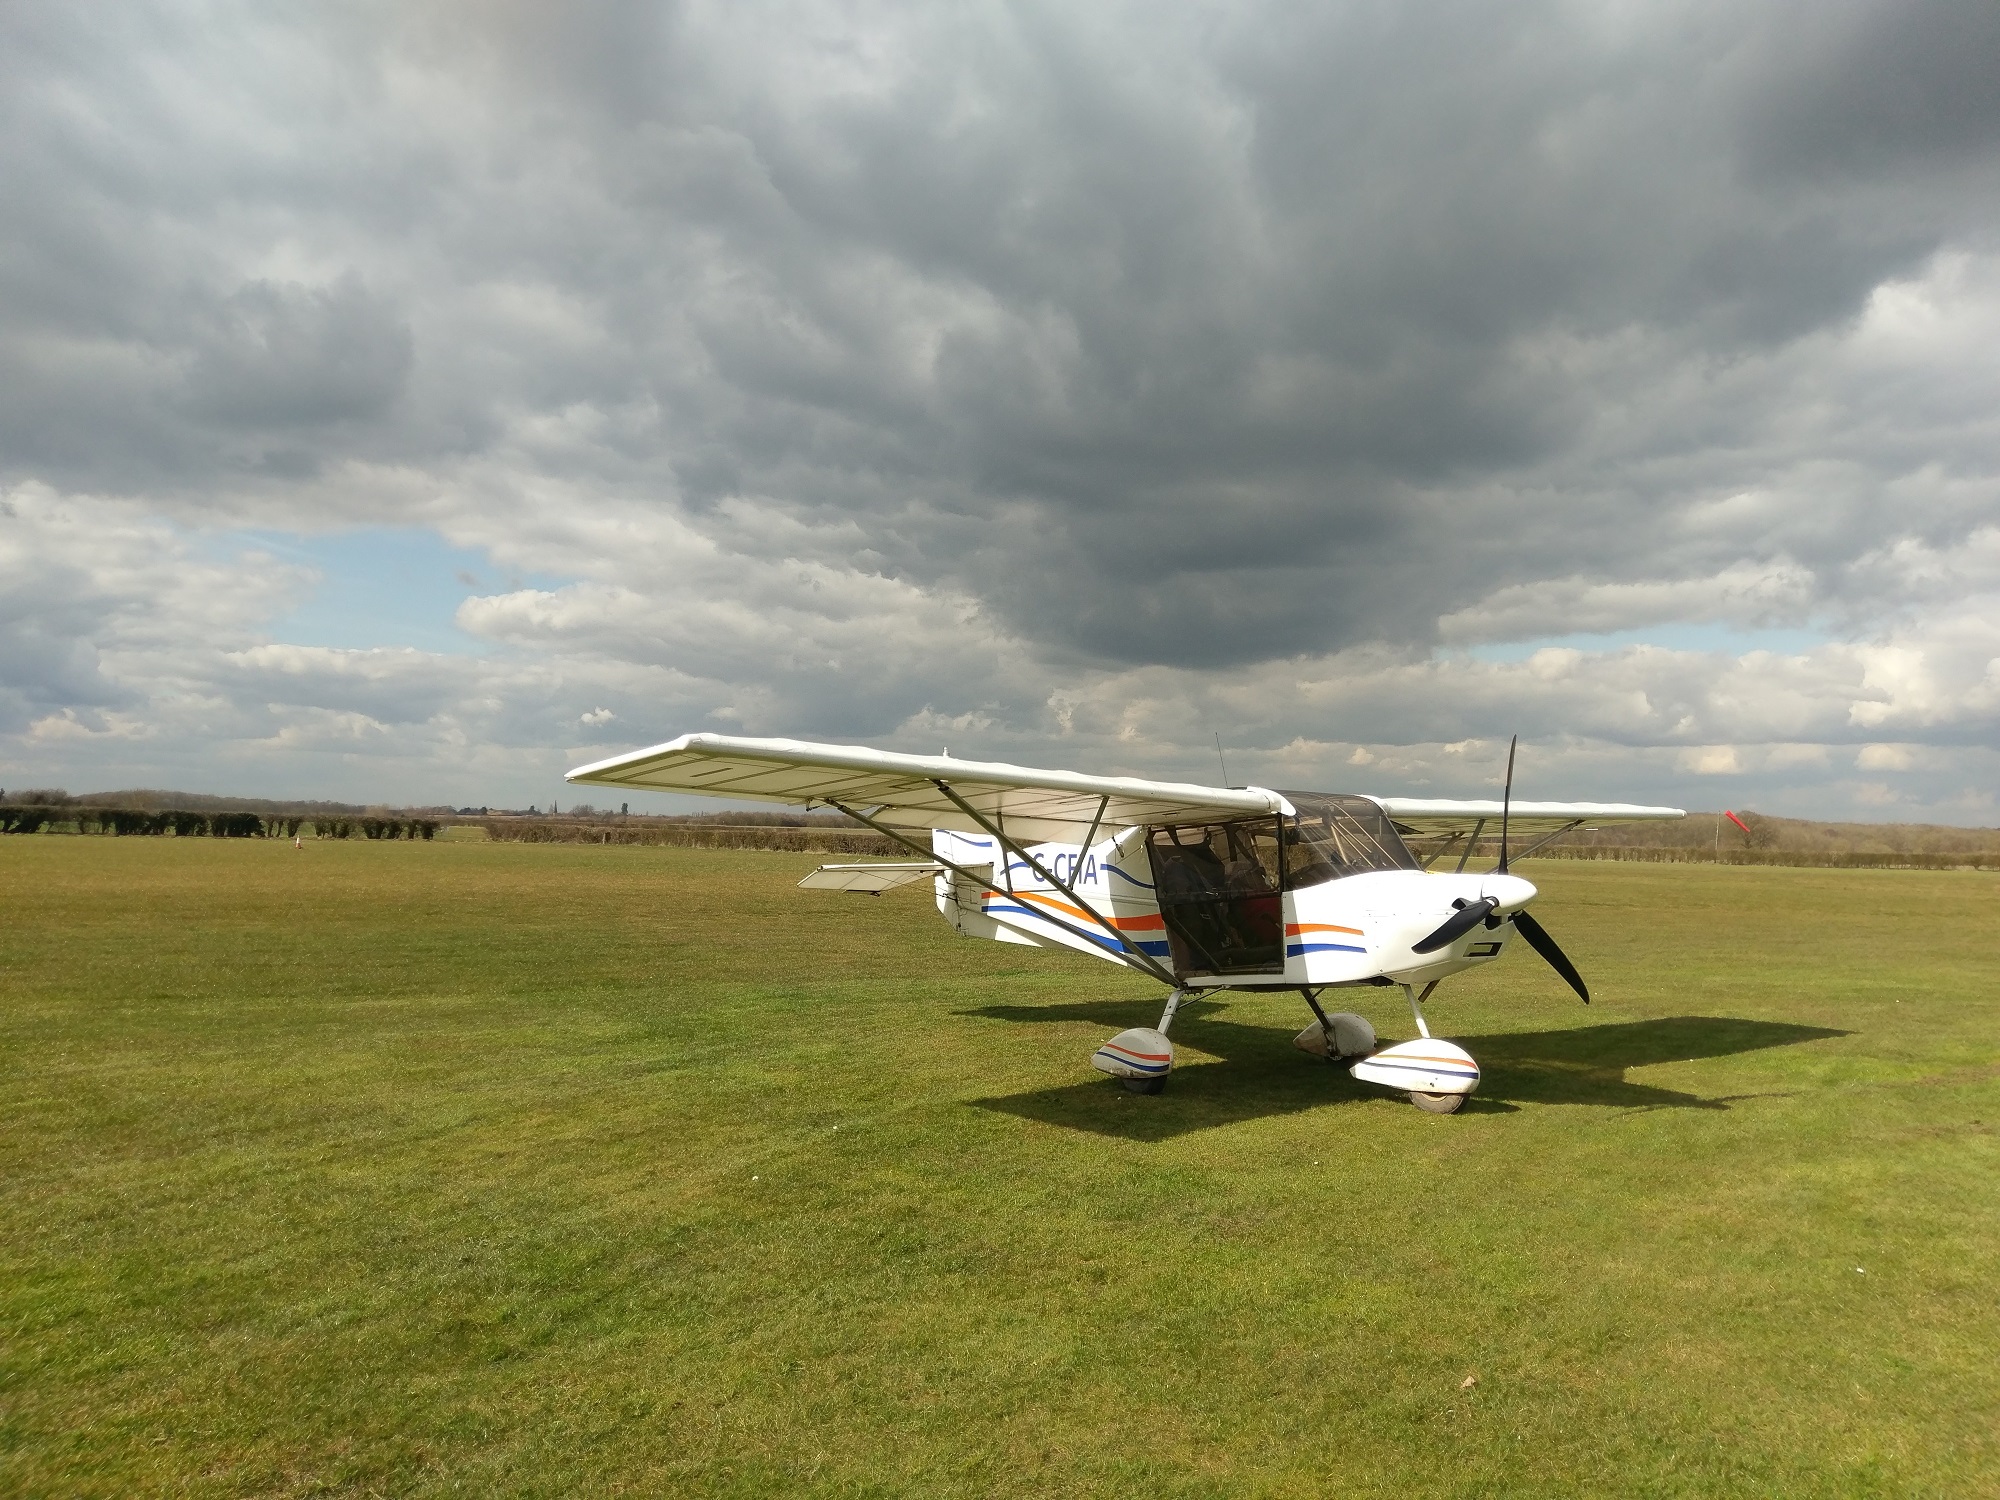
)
(1511, 891)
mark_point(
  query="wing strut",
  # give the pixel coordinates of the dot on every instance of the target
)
(1136, 959)
(1442, 849)
(1477, 829)
(1137, 956)
(1549, 838)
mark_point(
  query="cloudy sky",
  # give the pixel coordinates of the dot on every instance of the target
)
(406, 402)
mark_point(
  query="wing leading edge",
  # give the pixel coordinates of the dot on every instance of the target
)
(1032, 805)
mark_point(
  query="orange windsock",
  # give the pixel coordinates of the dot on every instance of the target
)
(1736, 820)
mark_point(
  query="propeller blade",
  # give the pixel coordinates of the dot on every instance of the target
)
(1539, 939)
(1457, 925)
(1506, 804)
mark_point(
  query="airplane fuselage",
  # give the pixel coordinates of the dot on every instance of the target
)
(1353, 929)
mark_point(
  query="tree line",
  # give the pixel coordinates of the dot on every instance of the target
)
(130, 822)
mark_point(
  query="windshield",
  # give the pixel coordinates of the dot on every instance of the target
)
(1334, 836)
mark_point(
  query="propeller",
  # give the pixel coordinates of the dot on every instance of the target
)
(1471, 913)
(1539, 939)
(1468, 916)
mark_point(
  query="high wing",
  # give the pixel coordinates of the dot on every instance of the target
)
(921, 792)
(1435, 818)
(1433, 826)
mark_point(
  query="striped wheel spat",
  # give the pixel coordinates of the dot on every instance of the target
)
(1450, 1067)
(1143, 1062)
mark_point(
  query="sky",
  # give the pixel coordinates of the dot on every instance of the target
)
(404, 403)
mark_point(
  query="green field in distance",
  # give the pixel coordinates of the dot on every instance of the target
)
(414, 1169)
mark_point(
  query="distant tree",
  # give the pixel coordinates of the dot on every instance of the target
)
(426, 826)
(1763, 832)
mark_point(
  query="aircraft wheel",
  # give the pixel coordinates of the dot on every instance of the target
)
(1143, 1085)
(1438, 1104)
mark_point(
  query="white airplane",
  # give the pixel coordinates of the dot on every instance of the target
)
(1204, 888)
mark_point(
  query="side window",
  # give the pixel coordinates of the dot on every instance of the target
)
(1217, 861)
(1254, 864)
(1312, 853)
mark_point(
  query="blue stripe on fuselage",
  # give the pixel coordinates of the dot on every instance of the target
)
(1157, 950)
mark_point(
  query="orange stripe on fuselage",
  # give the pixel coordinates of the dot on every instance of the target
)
(1124, 924)
(1293, 929)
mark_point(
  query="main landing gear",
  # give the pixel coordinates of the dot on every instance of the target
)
(1438, 1076)
(1141, 1058)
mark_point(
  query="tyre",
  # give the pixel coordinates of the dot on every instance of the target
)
(1438, 1104)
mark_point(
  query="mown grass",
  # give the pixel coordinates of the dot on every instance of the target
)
(556, 1170)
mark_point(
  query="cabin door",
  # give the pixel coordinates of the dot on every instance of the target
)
(1218, 889)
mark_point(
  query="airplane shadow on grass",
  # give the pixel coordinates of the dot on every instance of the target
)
(1261, 1073)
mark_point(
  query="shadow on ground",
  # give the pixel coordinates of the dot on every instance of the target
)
(1260, 1073)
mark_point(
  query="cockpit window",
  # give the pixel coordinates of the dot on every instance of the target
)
(1334, 836)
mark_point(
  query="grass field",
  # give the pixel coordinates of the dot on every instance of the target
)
(441, 1168)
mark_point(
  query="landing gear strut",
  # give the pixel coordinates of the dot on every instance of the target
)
(1430, 1104)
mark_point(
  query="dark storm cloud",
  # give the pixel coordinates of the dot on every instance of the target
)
(1882, 88)
(1100, 326)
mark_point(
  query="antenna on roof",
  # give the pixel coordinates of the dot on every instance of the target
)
(1219, 756)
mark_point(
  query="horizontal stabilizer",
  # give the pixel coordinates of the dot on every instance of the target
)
(872, 879)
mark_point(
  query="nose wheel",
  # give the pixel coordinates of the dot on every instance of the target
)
(1435, 1075)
